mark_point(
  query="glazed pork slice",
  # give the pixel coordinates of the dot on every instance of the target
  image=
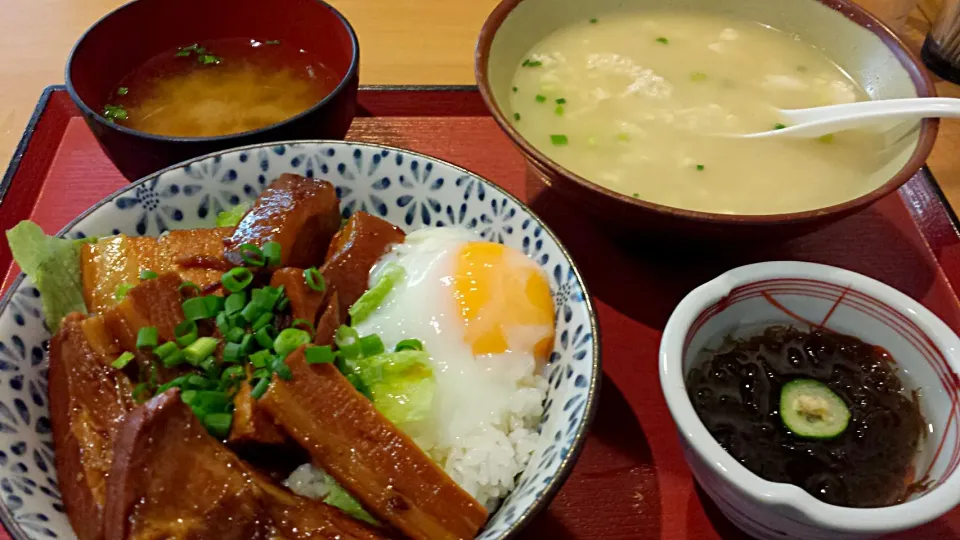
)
(171, 479)
(87, 401)
(251, 425)
(301, 214)
(356, 248)
(115, 260)
(381, 466)
(154, 302)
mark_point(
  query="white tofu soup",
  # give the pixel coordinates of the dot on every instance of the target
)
(638, 103)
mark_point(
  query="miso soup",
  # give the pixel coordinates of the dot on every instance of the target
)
(640, 103)
(220, 87)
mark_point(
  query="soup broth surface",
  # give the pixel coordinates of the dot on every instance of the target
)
(245, 84)
(638, 103)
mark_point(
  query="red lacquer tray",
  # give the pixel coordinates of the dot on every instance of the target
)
(631, 480)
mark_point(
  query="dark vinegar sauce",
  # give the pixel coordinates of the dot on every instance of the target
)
(736, 392)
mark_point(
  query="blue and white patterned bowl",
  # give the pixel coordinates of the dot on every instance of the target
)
(408, 189)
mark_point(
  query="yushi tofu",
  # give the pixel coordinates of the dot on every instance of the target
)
(115, 260)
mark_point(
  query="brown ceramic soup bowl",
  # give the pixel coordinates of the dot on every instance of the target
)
(860, 44)
(136, 32)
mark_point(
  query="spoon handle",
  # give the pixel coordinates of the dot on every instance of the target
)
(818, 121)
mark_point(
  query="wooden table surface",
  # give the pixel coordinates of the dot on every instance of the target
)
(403, 42)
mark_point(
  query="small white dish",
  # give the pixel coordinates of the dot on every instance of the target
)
(803, 294)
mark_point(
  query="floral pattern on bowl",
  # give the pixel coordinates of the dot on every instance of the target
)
(408, 189)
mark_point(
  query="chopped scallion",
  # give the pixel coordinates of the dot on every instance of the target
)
(663, 40)
(698, 76)
(165, 350)
(233, 352)
(147, 274)
(200, 349)
(540, 98)
(195, 309)
(265, 336)
(302, 324)
(314, 279)
(234, 335)
(237, 279)
(260, 389)
(289, 339)
(122, 360)
(173, 359)
(272, 253)
(700, 167)
(779, 126)
(409, 344)
(560, 101)
(252, 255)
(235, 302)
(218, 424)
(262, 321)
(516, 117)
(370, 345)
(122, 91)
(122, 290)
(558, 111)
(260, 359)
(281, 368)
(531, 63)
(147, 337)
(593, 20)
(188, 286)
(320, 355)
(558, 140)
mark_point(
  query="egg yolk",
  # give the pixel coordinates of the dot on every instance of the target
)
(504, 300)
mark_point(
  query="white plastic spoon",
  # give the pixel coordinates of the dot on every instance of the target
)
(819, 121)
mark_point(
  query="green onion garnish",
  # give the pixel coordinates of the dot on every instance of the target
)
(531, 63)
(314, 279)
(320, 355)
(515, 89)
(302, 324)
(218, 424)
(516, 117)
(698, 76)
(271, 253)
(700, 167)
(663, 40)
(558, 140)
(409, 345)
(173, 359)
(234, 335)
(188, 286)
(265, 336)
(237, 279)
(623, 137)
(281, 368)
(289, 339)
(235, 302)
(233, 373)
(165, 350)
(233, 353)
(141, 393)
(195, 309)
(593, 20)
(147, 337)
(266, 298)
(264, 373)
(147, 274)
(114, 112)
(262, 321)
(370, 345)
(347, 339)
(260, 359)
(779, 126)
(560, 101)
(251, 312)
(252, 255)
(260, 389)
(122, 290)
(540, 98)
(200, 349)
(558, 111)
(283, 304)
(122, 360)
(122, 91)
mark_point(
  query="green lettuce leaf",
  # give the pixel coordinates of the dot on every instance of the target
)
(401, 384)
(371, 300)
(54, 265)
(340, 498)
(232, 217)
